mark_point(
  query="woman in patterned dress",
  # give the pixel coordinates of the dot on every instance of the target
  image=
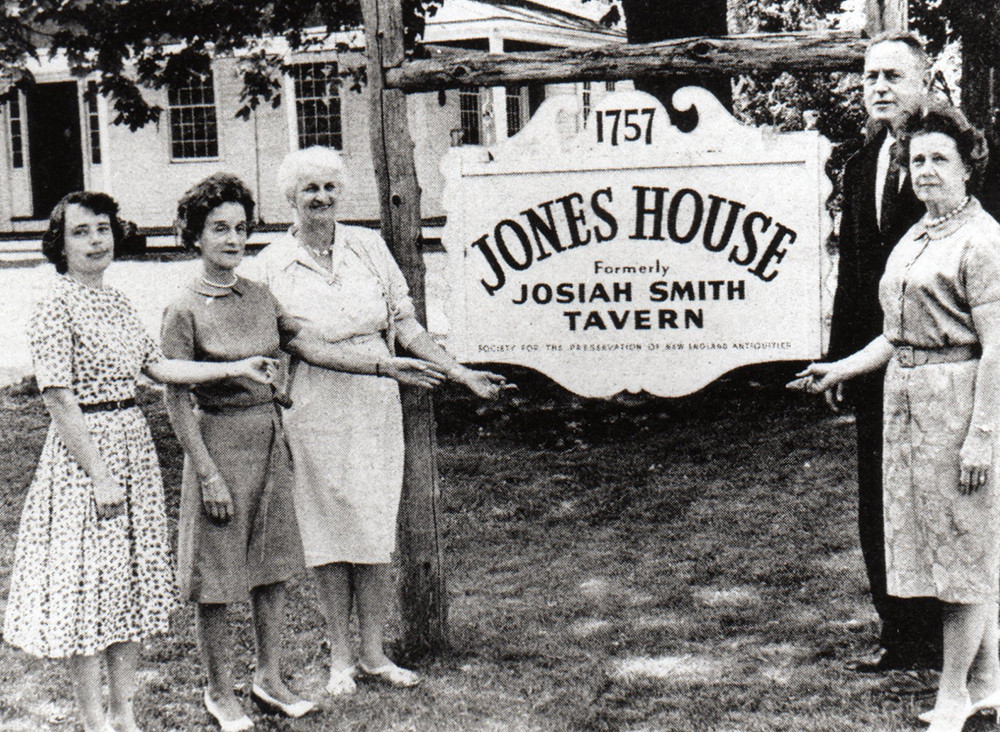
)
(345, 430)
(239, 539)
(91, 575)
(941, 341)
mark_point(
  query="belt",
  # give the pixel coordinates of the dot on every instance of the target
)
(112, 406)
(228, 408)
(911, 356)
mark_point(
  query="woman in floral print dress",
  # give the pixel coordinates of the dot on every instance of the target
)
(91, 573)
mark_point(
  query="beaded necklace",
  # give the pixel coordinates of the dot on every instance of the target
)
(931, 223)
(216, 284)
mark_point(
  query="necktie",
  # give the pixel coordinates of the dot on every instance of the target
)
(890, 191)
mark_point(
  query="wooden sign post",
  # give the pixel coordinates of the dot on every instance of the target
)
(423, 596)
(883, 16)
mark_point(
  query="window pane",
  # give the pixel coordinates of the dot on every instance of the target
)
(515, 109)
(317, 104)
(193, 129)
(93, 124)
(16, 138)
(469, 109)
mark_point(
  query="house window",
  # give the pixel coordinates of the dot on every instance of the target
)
(609, 86)
(469, 105)
(194, 132)
(93, 123)
(317, 105)
(16, 131)
(586, 100)
(516, 97)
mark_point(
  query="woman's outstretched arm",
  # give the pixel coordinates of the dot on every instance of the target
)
(412, 371)
(823, 376)
(173, 371)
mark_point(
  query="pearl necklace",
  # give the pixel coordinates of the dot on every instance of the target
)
(216, 284)
(319, 253)
(932, 222)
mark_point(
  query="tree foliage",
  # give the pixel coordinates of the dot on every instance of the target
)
(833, 100)
(133, 44)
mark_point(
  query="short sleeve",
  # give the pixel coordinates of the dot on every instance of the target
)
(981, 270)
(151, 352)
(50, 339)
(404, 313)
(177, 333)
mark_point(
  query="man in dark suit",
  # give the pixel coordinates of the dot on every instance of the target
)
(879, 207)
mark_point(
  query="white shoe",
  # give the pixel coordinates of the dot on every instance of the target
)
(342, 681)
(294, 710)
(392, 674)
(226, 725)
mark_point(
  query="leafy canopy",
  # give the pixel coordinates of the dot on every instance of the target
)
(154, 43)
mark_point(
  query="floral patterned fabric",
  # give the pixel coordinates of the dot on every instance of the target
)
(80, 584)
(938, 542)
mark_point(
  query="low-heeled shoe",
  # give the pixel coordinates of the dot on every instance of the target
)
(294, 710)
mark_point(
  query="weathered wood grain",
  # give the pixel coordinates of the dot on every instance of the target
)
(423, 597)
(885, 15)
(842, 51)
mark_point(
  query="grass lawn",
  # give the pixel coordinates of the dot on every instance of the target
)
(635, 565)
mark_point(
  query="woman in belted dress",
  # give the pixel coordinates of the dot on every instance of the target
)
(91, 575)
(346, 430)
(238, 535)
(940, 295)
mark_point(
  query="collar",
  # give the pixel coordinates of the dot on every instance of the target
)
(288, 250)
(201, 287)
(952, 225)
(67, 282)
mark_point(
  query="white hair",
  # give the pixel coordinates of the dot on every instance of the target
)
(298, 162)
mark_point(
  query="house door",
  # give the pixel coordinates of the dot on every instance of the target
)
(56, 153)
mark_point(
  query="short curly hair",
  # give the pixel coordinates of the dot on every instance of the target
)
(948, 120)
(204, 197)
(54, 238)
(298, 162)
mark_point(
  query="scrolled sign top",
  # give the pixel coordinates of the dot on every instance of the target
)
(619, 253)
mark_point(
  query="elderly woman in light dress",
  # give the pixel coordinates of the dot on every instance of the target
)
(345, 429)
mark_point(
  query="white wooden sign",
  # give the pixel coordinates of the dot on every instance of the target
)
(628, 255)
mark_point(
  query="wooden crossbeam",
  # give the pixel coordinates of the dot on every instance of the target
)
(840, 51)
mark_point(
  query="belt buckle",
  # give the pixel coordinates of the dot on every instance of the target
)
(906, 357)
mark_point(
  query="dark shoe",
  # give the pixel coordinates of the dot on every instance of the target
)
(877, 663)
(926, 662)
